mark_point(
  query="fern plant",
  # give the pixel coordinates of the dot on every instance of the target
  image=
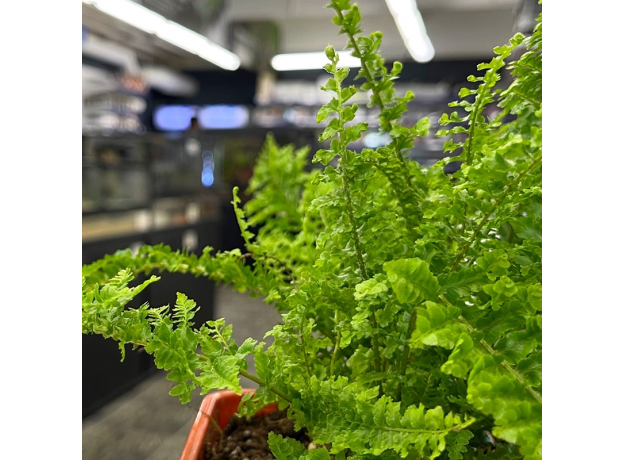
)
(410, 299)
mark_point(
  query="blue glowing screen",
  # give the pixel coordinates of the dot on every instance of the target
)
(173, 117)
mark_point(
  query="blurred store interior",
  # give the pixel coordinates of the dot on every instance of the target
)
(179, 95)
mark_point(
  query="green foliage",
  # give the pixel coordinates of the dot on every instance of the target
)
(340, 411)
(285, 448)
(289, 449)
(457, 444)
(410, 299)
(411, 280)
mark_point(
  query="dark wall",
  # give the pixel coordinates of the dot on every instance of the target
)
(448, 71)
(237, 87)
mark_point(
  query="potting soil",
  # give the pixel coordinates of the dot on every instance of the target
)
(247, 438)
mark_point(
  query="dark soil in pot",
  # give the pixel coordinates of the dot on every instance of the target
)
(247, 438)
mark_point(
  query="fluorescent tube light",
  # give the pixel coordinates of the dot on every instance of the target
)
(172, 32)
(132, 13)
(181, 37)
(213, 52)
(307, 61)
(412, 29)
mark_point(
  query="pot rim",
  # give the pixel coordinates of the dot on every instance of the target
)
(194, 445)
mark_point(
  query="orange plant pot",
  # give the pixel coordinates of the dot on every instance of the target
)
(219, 406)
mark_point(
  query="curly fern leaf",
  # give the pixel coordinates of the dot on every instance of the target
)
(457, 443)
(285, 448)
(351, 416)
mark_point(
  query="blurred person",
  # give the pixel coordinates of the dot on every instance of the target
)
(192, 144)
(194, 126)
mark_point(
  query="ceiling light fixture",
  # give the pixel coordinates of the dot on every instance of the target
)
(311, 61)
(412, 29)
(153, 23)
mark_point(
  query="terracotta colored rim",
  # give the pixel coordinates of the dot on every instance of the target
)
(195, 441)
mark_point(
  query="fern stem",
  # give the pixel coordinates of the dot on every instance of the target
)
(506, 192)
(96, 272)
(261, 382)
(525, 97)
(360, 258)
(326, 333)
(492, 352)
(416, 431)
(406, 352)
(214, 423)
(242, 372)
(377, 97)
(504, 363)
(375, 343)
(461, 426)
(336, 346)
(303, 347)
(473, 122)
(360, 56)
(354, 232)
(528, 66)
(410, 228)
(347, 186)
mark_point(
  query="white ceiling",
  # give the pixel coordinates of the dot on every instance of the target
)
(459, 29)
(251, 10)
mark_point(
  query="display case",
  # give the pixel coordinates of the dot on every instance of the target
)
(137, 190)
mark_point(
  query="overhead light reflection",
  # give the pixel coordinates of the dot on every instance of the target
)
(412, 29)
(153, 23)
(310, 61)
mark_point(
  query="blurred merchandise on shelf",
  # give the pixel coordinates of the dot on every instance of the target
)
(112, 102)
(138, 183)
